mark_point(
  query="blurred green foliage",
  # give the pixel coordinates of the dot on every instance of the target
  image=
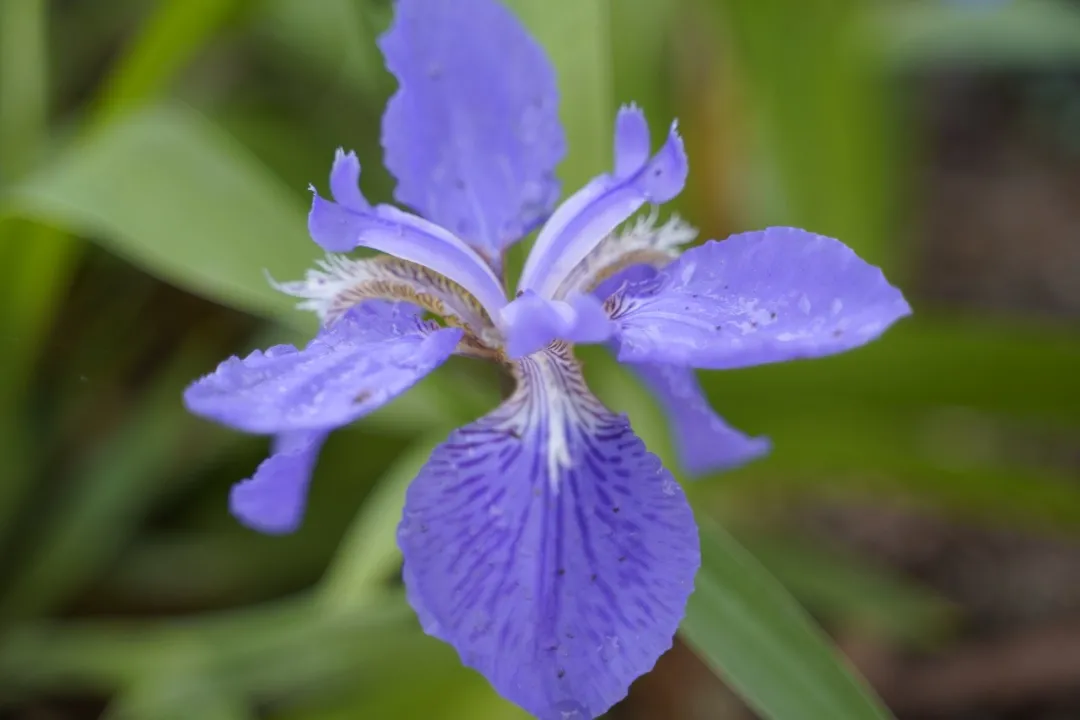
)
(175, 140)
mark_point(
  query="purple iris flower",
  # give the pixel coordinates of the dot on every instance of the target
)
(543, 541)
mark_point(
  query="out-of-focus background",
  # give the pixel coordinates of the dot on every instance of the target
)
(923, 498)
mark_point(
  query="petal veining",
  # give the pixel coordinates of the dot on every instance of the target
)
(473, 133)
(759, 297)
(372, 354)
(549, 547)
(592, 213)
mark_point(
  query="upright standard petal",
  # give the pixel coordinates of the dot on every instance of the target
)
(549, 547)
(589, 215)
(273, 500)
(371, 355)
(350, 223)
(473, 133)
(704, 442)
(759, 297)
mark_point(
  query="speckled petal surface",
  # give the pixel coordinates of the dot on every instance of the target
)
(758, 297)
(549, 547)
(372, 354)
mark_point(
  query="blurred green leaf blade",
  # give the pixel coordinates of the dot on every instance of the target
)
(747, 628)
(369, 550)
(174, 32)
(165, 189)
(851, 591)
(1007, 35)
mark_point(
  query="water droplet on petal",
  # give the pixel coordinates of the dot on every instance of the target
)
(609, 650)
(568, 710)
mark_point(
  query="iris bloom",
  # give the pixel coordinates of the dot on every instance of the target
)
(542, 541)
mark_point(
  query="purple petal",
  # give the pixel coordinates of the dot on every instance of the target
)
(632, 142)
(549, 547)
(704, 442)
(371, 355)
(589, 215)
(531, 322)
(759, 297)
(350, 223)
(345, 181)
(630, 276)
(473, 134)
(273, 501)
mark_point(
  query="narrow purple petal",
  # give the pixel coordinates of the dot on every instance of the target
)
(531, 322)
(473, 133)
(704, 442)
(273, 500)
(632, 142)
(589, 215)
(345, 181)
(350, 223)
(759, 297)
(371, 355)
(549, 547)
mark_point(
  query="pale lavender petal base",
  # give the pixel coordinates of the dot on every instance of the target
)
(531, 322)
(759, 297)
(550, 548)
(473, 134)
(372, 354)
(703, 441)
(273, 500)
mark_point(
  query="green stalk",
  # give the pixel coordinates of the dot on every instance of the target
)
(36, 262)
(23, 85)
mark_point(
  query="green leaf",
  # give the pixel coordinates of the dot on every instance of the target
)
(448, 691)
(173, 33)
(849, 591)
(287, 651)
(24, 88)
(746, 627)
(1016, 34)
(820, 111)
(164, 189)
(175, 696)
(36, 267)
(369, 551)
(1026, 371)
(921, 415)
(336, 38)
(112, 491)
